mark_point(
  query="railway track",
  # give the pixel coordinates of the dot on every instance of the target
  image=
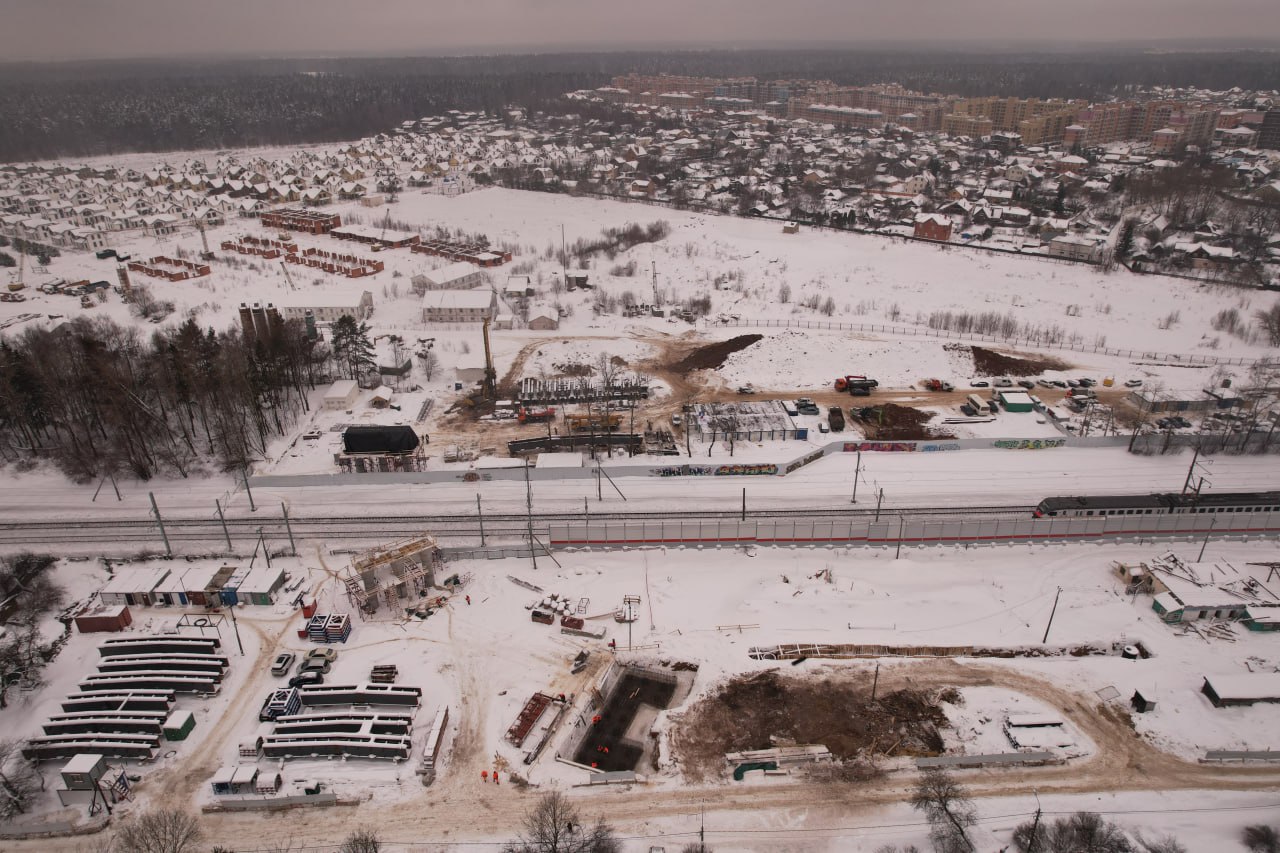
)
(449, 527)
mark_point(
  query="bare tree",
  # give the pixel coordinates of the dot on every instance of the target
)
(1261, 838)
(1081, 831)
(950, 812)
(1167, 844)
(430, 363)
(364, 840)
(20, 780)
(553, 826)
(164, 831)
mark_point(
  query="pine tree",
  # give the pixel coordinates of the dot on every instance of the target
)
(1124, 244)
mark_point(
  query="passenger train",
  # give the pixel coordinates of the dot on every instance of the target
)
(1158, 504)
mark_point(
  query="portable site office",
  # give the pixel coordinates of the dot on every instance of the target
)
(133, 586)
(261, 585)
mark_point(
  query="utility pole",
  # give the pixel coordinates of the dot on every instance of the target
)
(688, 448)
(236, 626)
(857, 471)
(244, 475)
(480, 515)
(744, 503)
(1186, 484)
(1045, 638)
(293, 548)
(528, 500)
(266, 552)
(160, 521)
(1213, 522)
(875, 681)
(902, 522)
(879, 498)
(222, 518)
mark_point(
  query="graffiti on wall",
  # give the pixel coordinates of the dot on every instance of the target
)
(880, 446)
(684, 471)
(746, 470)
(1029, 443)
(800, 463)
(715, 470)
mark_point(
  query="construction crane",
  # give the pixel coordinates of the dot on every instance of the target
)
(287, 277)
(18, 284)
(490, 375)
(206, 255)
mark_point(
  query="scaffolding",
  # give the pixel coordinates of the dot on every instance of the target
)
(389, 573)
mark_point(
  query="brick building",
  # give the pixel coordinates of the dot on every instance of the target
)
(298, 219)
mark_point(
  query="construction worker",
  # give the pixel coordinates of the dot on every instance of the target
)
(595, 719)
(484, 774)
(468, 601)
(495, 778)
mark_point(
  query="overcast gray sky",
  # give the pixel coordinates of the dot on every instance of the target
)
(88, 29)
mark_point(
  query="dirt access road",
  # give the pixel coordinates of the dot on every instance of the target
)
(458, 807)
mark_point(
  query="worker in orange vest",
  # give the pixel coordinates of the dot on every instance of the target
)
(484, 774)
(495, 778)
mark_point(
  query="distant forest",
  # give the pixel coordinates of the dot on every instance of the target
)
(81, 109)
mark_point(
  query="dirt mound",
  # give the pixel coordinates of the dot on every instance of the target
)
(900, 423)
(763, 710)
(990, 363)
(711, 356)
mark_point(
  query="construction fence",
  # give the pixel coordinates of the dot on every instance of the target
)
(896, 530)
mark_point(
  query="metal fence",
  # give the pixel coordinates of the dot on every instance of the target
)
(894, 530)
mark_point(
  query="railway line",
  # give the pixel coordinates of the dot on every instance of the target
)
(454, 528)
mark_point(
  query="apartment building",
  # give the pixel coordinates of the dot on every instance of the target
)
(459, 306)
(1039, 122)
(1269, 133)
(895, 104)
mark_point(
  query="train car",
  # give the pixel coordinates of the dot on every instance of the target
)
(1090, 505)
(1157, 504)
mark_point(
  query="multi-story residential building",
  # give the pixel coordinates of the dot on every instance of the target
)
(1099, 124)
(1269, 133)
(1039, 122)
(900, 106)
(459, 306)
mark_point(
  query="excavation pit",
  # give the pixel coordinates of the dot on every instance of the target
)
(619, 740)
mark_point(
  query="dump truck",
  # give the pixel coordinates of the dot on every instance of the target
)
(859, 386)
(835, 419)
(938, 385)
(593, 423)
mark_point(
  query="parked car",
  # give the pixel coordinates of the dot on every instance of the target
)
(283, 662)
(1073, 383)
(747, 389)
(1058, 383)
(1044, 383)
(1086, 382)
(979, 383)
(1026, 383)
(823, 428)
(967, 410)
(1133, 383)
(307, 679)
(327, 654)
(1004, 382)
(314, 665)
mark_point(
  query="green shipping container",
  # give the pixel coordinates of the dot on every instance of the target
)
(179, 725)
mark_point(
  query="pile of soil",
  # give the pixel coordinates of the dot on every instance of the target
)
(711, 356)
(990, 363)
(900, 423)
(762, 710)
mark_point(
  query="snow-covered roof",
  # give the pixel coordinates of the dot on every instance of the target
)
(1254, 685)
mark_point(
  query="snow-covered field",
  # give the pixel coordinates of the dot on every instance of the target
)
(485, 658)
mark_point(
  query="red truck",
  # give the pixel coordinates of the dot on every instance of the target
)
(537, 415)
